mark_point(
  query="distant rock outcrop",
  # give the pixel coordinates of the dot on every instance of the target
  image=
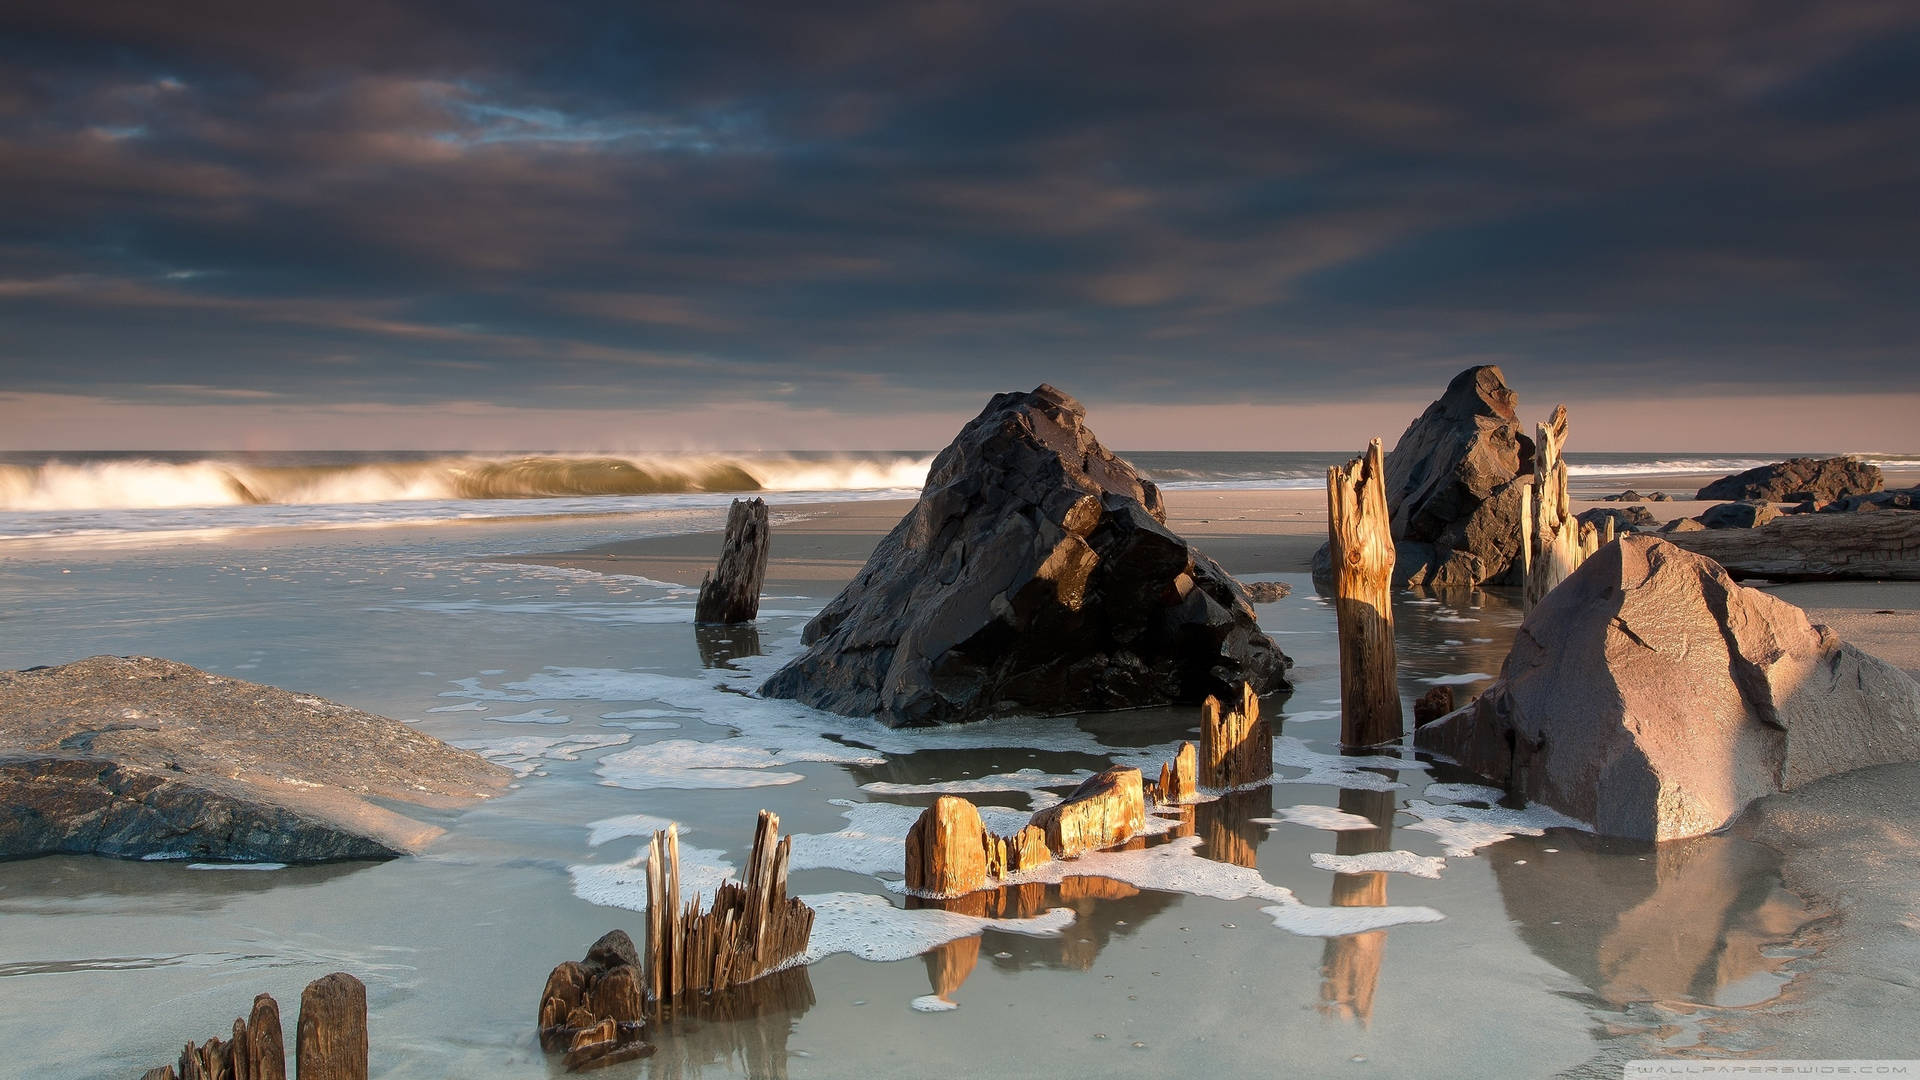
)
(1797, 480)
(1625, 520)
(1738, 515)
(1651, 696)
(136, 757)
(1035, 574)
(1453, 487)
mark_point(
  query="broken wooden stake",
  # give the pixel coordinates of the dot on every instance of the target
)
(257, 1052)
(949, 851)
(1360, 541)
(331, 1042)
(731, 593)
(1556, 533)
(1180, 778)
(1236, 745)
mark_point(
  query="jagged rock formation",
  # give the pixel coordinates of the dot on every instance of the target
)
(1453, 487)
(1738, 515)
(136, 756)
(1796, 480)
(1653, 697)
(1035, 574)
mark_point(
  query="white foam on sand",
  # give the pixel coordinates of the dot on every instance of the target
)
(524, 753)
(872, 928)
(641, 714)
(1337, 770)
(536, 716)
(932, 1003)
(1031, 781)
(642, 725)
(1457, 680)
(1391, 862)
(1175, 866)
(237, 866)
(1464, 793)
(686, 764)
(874, 841)
(1462, 830)
(465, 706)
(615, 828)
(1317, 817)
(624, 884)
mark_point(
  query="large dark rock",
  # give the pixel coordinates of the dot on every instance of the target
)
(1453, 487)
(1653, 697)
(1797, 480)
(1036, 574)
(134, 757)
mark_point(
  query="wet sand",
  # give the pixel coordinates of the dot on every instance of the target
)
(1850, 844)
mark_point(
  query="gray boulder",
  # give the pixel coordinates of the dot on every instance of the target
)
(136, 757)
(1036, 574)
(1683, 525)
(1652, 697)
(1453, 487)
(1738, 515)
(1797, 480)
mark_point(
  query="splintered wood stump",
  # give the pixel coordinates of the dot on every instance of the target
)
(731, 593)
(1556, 536)
(258, 1051)
(1236, 745)
(1180, 778)
(593, 1011)
(331, 1043)
(1107, 809)
(948, 849)
(1360, 541)
(750, 930)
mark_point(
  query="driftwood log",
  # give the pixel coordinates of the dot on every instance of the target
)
(1108, 808)
(1883, 545)
(731, 593)
(1360, 541)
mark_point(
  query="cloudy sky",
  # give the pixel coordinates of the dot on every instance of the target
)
(1258, 224)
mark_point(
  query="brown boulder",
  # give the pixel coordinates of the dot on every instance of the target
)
(1653, 697)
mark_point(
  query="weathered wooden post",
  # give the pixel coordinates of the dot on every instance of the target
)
(1556, 533)
(1360, 541)
(1236, 746)
(332, 1039)
(731, 593)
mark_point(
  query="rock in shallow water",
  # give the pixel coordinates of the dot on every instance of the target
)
(1035, 574)
(1653, 697)
(136, 756)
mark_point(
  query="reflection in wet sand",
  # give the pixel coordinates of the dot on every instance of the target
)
(746, 1027)
(1103, 909)
(720, 646)
(1698, 921)
(1350, 964)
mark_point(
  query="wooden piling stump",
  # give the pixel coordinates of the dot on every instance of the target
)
(731, 593)
(947, 849)
(1236, 745)
(1360, 540)
(331, 1043)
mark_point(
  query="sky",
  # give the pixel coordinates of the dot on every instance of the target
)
(1255, 225)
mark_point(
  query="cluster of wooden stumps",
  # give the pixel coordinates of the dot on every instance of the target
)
(950, 852)
(330, 1041)
(597, 1011)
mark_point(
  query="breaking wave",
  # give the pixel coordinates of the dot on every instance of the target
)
(143, 483)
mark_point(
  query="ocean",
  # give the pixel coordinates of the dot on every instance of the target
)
(1222, 947)
(120, 496)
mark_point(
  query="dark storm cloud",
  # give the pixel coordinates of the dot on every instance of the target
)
(1228, 201)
